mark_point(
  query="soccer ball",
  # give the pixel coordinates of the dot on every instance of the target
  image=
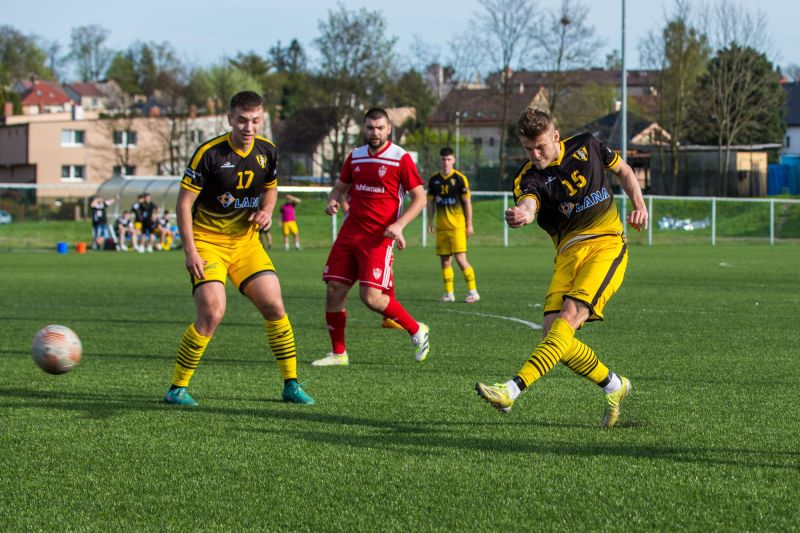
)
(56, 349)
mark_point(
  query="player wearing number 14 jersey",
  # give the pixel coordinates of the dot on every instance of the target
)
(227, 194)
(565, 186)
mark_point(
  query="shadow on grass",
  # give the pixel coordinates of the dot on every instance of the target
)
(415, 437)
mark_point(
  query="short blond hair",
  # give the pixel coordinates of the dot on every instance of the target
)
(532, 122)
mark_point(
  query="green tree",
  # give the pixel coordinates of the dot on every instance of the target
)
(88, 51)
(225, 80)
(123, 70)
(739, 100)
(679, 53)
(21, 57)
(291, 77)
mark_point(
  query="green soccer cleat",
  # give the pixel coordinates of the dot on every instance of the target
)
(614, 399)
(420, 341)
(497, 395)
(294, 393)
(179, 396)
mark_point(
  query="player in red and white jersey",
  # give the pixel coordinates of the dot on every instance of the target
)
(376, 177)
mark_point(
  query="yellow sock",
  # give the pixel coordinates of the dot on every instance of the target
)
(190, 351)
(548, 352)
(582, 360)
(469, 277)
(447, 278)
(281, 341)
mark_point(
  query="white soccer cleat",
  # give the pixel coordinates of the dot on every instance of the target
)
(420, 341)
(332, 359)
(472, 297)
(449, 297)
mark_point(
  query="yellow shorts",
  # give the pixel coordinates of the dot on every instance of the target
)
(290, 228)
(590, 272)
(241, 263)
(451, 241)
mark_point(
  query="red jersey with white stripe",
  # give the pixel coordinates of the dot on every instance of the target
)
(378, 184)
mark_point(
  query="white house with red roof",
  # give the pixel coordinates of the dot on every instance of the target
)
(39, 97)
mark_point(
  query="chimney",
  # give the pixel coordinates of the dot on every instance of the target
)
(77, 112)
(8, 109)
(192, 111)
(154, 112)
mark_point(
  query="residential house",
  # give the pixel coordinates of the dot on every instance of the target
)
(88, 96)
(477, 113)
(69, 157)
(791, 140)
(306, 140)
(643, 137)
(38, 97)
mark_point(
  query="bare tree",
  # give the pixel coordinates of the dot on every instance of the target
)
(356, 57)
(565, 41)
(792, 71)
(504, 31)
(679, 53)
(88, 51)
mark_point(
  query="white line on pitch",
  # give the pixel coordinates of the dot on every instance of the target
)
(532, 325)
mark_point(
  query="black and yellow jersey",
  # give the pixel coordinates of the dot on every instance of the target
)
(448, 193)
(229, 184)
(573, 193)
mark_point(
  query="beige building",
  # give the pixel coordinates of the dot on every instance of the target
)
(69, 157)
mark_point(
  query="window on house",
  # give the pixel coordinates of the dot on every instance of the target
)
(195, 136)
(491, 141)
(72, 172)
(788, 142)
(72, 137)
(124, 170)
(124, 138)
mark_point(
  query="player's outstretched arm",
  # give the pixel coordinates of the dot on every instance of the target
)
(263, 216)
(338, 191)
(638, 217)
(395, 230)
(521, 214)
(183, 211)
(467, 202)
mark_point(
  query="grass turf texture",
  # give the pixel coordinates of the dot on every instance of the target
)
(708, 441)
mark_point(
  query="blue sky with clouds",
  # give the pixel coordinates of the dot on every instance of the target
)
(202, 34)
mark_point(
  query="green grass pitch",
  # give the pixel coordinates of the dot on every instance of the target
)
(708, 441)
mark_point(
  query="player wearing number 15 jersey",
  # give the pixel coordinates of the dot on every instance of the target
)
(565, 186)
(227, 194)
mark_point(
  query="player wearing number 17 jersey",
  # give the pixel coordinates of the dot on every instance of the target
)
(376, 177)
(565, 186)
(227, 194)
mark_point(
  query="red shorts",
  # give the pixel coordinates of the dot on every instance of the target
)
(369, 263)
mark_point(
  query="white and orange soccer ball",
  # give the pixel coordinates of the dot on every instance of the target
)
(56, 349)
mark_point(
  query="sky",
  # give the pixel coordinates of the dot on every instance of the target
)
(202, 33)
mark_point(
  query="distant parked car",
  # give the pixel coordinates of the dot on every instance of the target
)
(5, 217)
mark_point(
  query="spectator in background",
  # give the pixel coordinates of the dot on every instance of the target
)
(289, 221)
(137, 223)
(100, 229)
(145, 214)
(126, 228)
(163, 230)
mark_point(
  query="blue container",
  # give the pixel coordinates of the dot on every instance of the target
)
(776, 178)
(792, 162)
(62, 247)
